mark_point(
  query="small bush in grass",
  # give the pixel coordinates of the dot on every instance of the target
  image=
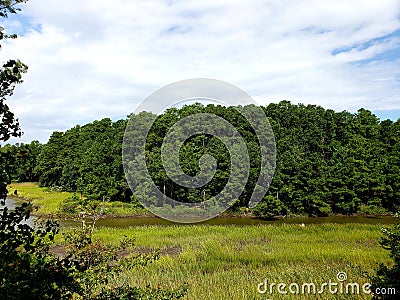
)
(269, 208)
(389, 277)
(374, 210)
(69, 205)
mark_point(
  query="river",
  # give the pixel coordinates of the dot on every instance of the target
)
(11, 204)
(238, 221)
(243, 221)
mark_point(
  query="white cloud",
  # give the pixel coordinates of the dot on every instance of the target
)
(92, 59)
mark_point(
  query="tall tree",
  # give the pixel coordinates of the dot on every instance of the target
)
(10, 75)
(327, 161)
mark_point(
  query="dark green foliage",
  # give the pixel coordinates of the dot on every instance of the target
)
(389, 277)
(327, 162)
(20, 161)
(333, 162)
(269, 208)
(86, 160)
(27, 271)
(10, 75)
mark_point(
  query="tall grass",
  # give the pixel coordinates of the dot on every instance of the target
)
(228, 262)
(46, 200)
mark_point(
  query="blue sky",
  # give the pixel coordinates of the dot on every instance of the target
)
(393, 115)
(390, 54)
(93, 59)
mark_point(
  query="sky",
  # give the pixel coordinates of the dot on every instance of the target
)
(94, 59)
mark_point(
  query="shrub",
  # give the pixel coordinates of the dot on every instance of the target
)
(269, 208)
(28, 269)
(69, 205)
(374, 210)
(389, 277)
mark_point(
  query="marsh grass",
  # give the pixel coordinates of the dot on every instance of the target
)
(48, 201)
(121, 209)
(228, 262)
(45, 200)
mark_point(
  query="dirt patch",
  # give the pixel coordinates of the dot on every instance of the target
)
(168, 250)
(171, 250)
(59, 251)
(242, 244)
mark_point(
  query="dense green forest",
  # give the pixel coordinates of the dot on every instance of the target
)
(327, 161)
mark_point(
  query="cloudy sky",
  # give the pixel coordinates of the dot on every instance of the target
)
(92, 59)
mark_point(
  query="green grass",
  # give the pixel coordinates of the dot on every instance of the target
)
(228, 262)
(118, 208)
(48, 201)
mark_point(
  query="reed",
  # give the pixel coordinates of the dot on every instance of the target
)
(228, 262)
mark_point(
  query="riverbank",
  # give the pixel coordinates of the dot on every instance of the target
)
(220, 261)
(230, 262)
(48, 202)
(45, 201)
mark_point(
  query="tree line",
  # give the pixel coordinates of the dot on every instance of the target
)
(327, 161)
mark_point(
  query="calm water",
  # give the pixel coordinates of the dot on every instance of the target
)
(238, 221)
(140, 221)
(10, 204)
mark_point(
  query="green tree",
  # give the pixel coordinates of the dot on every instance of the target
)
(327, 162)
(49, 165)
(20, 161)
(388, 277)
(269, 208)
(10, 75)
(27, 270)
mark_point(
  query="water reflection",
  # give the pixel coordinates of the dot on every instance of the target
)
(11, 204)
(234, 221)
(239, 221)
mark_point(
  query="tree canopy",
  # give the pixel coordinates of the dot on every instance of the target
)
(327, 161)
(10, 75)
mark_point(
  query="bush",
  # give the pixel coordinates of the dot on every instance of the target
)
(75, 204)
(269, 208)
(69, 205)
(28, 269)
(374, 210)
(385, 276)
